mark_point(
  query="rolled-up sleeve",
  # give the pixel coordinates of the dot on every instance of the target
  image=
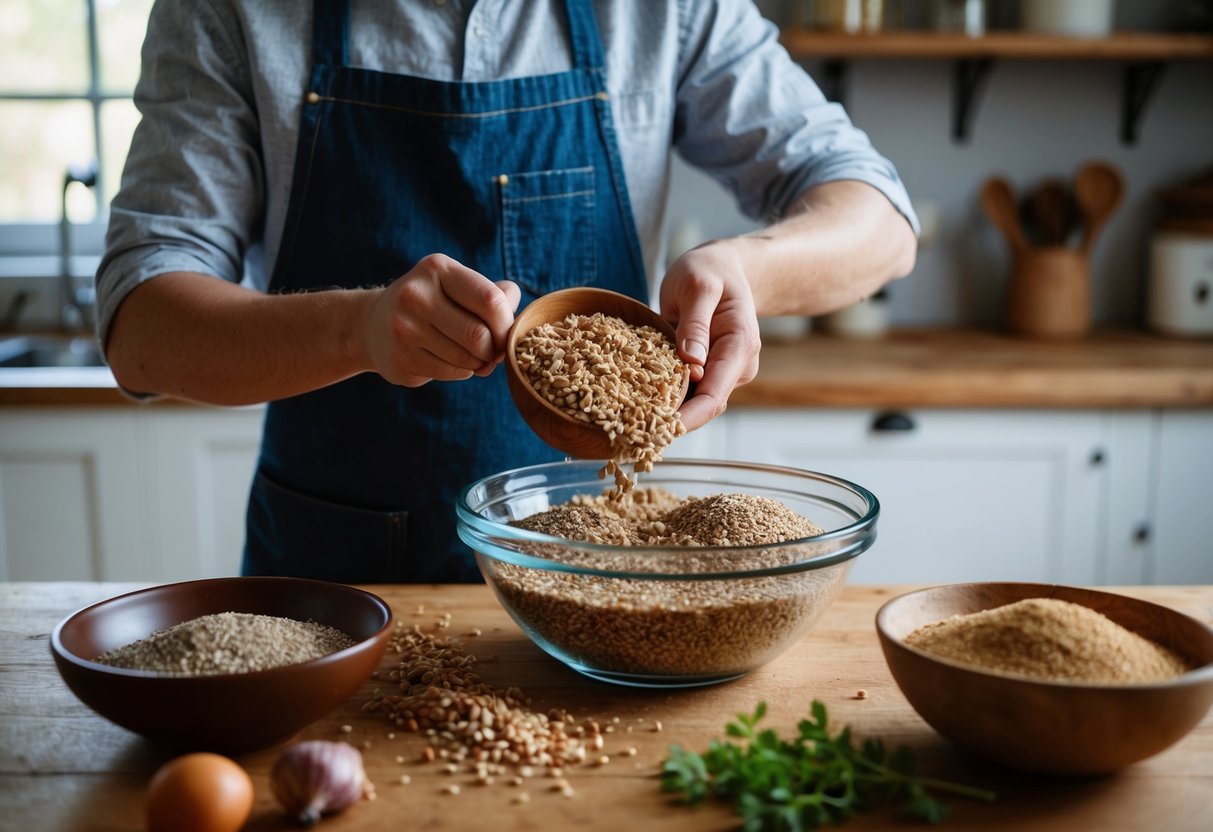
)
(753, 119)
(193, 189)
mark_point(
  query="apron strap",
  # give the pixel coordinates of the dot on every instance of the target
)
(584, 39)
(330, 32)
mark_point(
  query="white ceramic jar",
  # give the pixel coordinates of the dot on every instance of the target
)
(1076, 18)
(1179, 297)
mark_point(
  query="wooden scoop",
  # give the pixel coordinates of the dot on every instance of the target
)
(1099, 188)
(999, 201)
(550, 423)
(1051, 212)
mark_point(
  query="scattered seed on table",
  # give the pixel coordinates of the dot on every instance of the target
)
(345, 729)
(451, 789)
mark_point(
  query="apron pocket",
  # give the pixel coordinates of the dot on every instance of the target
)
(291, 533)
(548, 228)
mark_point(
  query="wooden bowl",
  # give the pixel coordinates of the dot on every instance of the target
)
(1048, 727)
(550, 423)
(229, 713)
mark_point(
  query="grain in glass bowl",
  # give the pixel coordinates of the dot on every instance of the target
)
(664, 615)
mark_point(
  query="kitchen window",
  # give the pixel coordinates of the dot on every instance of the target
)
(68, 69)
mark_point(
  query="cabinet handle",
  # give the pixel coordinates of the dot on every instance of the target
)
(892, 422)
(1097, 457)
(1141, 534)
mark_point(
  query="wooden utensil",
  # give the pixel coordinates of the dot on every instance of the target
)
(1099, 188)
(552, 425)
(999, 202)
(1051, 212)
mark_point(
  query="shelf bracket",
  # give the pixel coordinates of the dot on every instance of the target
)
(1140, 82)
(834, 80)
(968, 78)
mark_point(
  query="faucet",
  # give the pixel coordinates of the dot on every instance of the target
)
(73, 301)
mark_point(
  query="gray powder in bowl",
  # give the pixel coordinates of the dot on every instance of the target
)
(228, 642)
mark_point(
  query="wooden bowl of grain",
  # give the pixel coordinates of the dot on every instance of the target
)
(228, 712)
(579, 439)
(1090, 724)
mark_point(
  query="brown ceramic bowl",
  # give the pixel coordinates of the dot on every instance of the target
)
(1048, 727)
(551, 424)
(230, 713)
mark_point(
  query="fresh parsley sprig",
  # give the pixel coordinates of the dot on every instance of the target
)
(778, 785)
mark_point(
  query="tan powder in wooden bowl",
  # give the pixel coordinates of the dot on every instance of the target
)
(1052, 640)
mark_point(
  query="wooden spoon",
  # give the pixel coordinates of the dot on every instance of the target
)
(1053, 212)
(999, 202)
(1099, 188)
(550, 423)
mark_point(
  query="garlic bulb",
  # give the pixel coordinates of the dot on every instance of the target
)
(318, 777)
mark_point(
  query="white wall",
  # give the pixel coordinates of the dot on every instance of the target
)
(1034, 120)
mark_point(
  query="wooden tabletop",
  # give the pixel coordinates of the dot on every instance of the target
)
(64, 768)
(935, 367)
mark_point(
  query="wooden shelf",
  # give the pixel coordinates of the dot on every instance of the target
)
(1146, 55)
(1126, 46)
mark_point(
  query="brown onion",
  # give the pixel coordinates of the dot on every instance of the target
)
(318, 777)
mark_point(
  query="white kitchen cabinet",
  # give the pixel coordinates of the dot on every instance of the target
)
(70, 496)
(1180, 531)
(124, 493)
(965, 495)
(200, 479)
(1077, 496)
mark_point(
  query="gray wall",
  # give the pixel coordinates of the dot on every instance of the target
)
(1036, 119)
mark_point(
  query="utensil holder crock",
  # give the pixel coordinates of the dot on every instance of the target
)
(1050, 293)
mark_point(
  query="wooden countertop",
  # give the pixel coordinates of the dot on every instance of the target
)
(63, 768)
(980, 368)
(907, 368)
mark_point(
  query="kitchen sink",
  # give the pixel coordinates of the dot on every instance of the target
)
(49, 351)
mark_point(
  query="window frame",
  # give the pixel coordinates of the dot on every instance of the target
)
(31, 249)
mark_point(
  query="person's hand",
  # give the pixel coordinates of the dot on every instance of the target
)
(440, 321)
(706, 295)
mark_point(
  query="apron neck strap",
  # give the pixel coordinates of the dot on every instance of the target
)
(331, 34)
(584, 40)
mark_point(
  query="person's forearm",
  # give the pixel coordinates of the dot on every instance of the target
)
(200, 338)
(841, 243)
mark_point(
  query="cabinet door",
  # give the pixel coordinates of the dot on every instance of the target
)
(202, 468)
(70, 501)
(965, 495)
(1182, 533)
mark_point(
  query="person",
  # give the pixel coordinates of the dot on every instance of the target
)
(339, 210)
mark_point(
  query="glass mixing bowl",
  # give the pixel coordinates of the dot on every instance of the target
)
(665, 616)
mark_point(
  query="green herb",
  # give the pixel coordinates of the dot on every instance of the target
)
(776, 784)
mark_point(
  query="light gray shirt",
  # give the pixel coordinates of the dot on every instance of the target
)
(208, 177)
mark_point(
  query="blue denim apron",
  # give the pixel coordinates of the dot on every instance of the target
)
(519, 179)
